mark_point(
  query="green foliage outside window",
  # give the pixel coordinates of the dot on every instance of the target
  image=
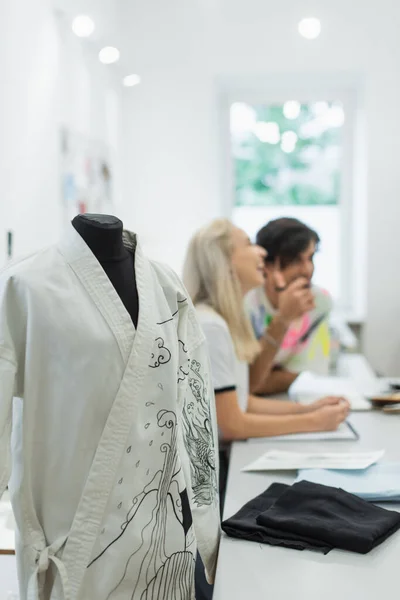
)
(307, 173)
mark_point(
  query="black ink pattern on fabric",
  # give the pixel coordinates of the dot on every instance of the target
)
(182, 303)
(199, 439)
(183, 346)
(183, 370)
(168, 320)
(155, 536)
(176, 574)
(164, 355)
(186, 512)
(182, 374)
(158, 508)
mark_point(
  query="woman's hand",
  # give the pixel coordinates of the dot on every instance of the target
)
(329, 401)
(328, 413)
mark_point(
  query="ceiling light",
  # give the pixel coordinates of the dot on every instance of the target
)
(83, 26)
(310, 28)
(131, 80)
(267, 132)
(109, 55)
(291, 109)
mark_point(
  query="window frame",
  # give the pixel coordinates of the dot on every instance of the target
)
(352, 202)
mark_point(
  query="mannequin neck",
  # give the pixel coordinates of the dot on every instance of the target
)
(103, 235)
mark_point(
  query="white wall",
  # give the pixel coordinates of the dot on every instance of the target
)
(171, 147)
(48, 79)
(172, 175)
(170, 127)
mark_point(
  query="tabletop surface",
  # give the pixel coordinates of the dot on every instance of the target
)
(257, 571)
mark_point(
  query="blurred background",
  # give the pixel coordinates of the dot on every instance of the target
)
(168, 114)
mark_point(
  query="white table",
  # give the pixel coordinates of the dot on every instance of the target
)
(271, 572)
(248, 570)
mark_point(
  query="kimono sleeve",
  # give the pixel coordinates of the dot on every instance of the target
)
(200, 441)
(10, 327)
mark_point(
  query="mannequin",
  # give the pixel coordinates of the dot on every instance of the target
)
(114, 430)
(103, 235)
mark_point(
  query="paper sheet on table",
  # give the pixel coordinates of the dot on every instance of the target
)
(378, 483)
(345, 432)
(309, 387)
(280, 460)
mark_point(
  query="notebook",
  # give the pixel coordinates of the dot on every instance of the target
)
(309, 387)
(345, 432)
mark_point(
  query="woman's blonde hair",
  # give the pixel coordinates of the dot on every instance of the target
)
(210, 279)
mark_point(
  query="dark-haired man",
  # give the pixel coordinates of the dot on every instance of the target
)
(288, 311)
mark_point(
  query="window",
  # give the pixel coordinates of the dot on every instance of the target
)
(287, 161)
(295, 145)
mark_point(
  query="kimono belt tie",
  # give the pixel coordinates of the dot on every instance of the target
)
(44, 557)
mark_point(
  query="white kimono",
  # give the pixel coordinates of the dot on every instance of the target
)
(114, 478)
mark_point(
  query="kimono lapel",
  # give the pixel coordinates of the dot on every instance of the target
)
(86, 524)
(95, 281)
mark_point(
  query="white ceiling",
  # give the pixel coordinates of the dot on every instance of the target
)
(111, 28)
(105, 13)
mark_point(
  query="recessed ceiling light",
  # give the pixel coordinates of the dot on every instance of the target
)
(131, 80)
(109, 55)
(310, 28)
(83, 26)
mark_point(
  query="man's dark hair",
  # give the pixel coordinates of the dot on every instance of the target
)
(285, 239)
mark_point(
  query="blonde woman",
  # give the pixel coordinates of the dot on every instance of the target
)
(221, 267)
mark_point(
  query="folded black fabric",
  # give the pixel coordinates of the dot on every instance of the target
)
(313, 517)
(244, 524)
(331, 516)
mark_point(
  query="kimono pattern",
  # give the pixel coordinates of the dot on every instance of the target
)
(110, 431)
